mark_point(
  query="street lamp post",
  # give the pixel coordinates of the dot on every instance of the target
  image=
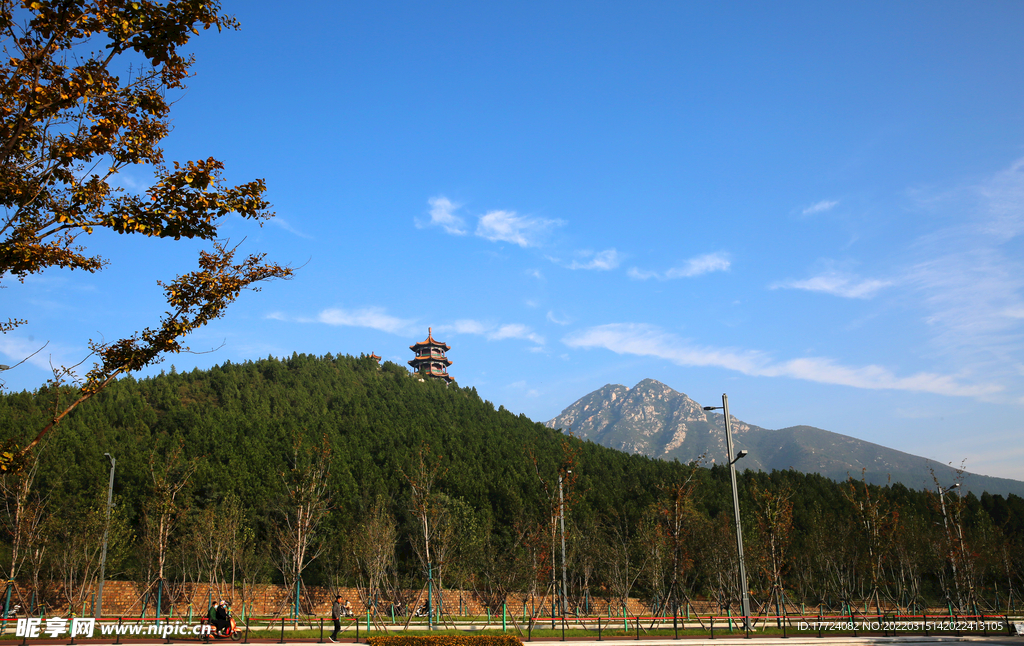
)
(744, 593)
(98, 611)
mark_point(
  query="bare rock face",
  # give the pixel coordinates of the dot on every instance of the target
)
(654, 420)
(650, 418)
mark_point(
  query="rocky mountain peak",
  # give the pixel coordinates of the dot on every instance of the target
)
(653, 419)
(649, 418)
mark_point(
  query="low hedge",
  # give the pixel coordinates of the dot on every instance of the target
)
(445, 640)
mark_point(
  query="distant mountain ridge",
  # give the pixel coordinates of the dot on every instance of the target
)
(653, 419)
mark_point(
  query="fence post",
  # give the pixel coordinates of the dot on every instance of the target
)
(638, 628)
(599, 628)
(246, 639)
(529, 630)
(924, 614)
(321, 631)
(282, 631)
(675, 620)
(712, 626)
(357, 631)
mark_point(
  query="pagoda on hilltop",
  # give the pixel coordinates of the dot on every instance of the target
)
(430, 360)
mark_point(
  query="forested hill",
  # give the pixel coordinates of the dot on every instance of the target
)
(240, 423)
(240, 426)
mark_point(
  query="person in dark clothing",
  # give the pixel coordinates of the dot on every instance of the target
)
(222, 618)
(336, 612)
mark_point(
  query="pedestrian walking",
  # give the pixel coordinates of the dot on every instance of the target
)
(336, 610)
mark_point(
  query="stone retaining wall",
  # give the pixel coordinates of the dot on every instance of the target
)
(131, 599)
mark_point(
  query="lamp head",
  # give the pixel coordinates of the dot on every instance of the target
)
(712, 407)
(742, 454)
(955, 486)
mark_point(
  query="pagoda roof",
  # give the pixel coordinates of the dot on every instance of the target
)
(430, 342)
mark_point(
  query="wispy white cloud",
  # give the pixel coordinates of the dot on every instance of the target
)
(646, 340)
(491, 331)
(36, 353)
(515, 331)
(521, 385)
(442, 214)
(507, 226)
(559, 319)
(130, 181)
(1003, 197)
(281, 222)
(466, 326)
(973, 300)
(600, 260)
(696, 266)
(496, 226)
(375, 318)
(837, 284)
(642, 274)
(970, 276)
(820, 207)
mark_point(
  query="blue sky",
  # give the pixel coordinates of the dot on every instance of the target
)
(817, 208)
